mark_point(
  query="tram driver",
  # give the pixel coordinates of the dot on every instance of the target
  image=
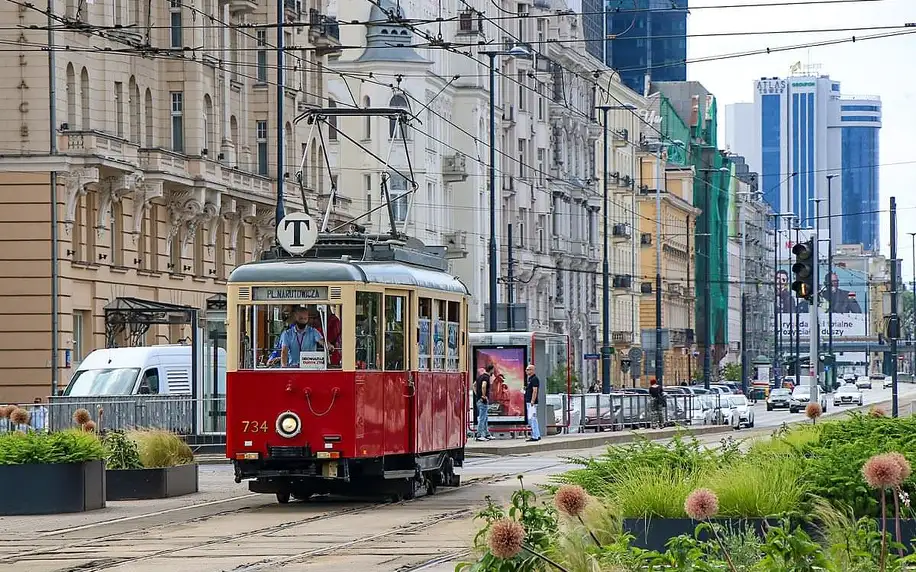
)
(300, 337)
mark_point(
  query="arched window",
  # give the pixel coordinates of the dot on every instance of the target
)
(85, 124)
(332, 121)
(399, 101)
(209, 127)
(71, 97)
(234, 133)
(148, 118)
(367, 103)
(133, 104)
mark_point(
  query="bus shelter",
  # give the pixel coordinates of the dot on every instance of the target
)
(510, 353)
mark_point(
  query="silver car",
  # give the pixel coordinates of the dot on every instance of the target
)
(801, 395)
(848, 394)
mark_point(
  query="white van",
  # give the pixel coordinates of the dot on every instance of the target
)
(157, 370)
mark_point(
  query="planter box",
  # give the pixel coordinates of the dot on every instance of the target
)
(654, 534)
(139, 484)
(52, 488)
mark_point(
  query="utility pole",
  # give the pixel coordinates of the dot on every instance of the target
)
(55, 232)
(814, 330)
(659, 353)
(605, 271)
(777, 335)
(707, 341)
(828, 287)
(894, 323)
(492, 177)
(797, 315)
(742, 273)
(510, 287)
(912, 336)
(689, 324)
(281, 98)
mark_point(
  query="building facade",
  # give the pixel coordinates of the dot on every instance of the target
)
(677, 219)
(860, 118)
(166, 178)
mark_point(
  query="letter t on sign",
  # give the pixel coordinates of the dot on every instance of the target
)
(297, 233)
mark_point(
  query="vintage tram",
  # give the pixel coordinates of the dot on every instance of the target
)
(347, 370)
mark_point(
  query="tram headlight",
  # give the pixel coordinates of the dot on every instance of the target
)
(288, 424)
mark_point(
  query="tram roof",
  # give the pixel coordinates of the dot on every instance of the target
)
(321, 271)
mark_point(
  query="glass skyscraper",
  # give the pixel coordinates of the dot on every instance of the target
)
(861, 124)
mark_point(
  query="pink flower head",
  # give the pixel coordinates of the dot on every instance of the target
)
(905, 469)
(813, 410)
(877, 411)
(701, 504)
(506, 538)
(571, 500)
(20, 416)
(89, 426)
(81, 416)
(6, 410)
(882, 472)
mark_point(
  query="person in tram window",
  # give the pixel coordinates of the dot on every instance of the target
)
(301, 337)
(333, 337)
(289, 319)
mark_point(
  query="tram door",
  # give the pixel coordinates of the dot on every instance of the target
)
(397, 365)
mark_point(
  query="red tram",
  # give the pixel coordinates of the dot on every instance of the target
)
(347, 371)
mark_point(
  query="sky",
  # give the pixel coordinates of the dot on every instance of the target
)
(884, 67)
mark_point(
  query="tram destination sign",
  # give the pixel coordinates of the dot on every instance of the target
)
(264, 294)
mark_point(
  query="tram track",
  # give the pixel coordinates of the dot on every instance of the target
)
(330, 512)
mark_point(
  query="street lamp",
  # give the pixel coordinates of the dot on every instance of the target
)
(828, 291)
(777, 330)
(742, 272)
(606, 266)
(518, 52)
(707, 318)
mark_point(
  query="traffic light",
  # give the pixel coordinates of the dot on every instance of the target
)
(803, 286)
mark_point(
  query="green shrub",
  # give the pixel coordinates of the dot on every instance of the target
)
(160, 448)
(70, 446)
(121, 451)
(759, 486)
(646, 492)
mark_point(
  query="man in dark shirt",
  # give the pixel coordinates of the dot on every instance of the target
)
(482, 399)
(532, 387)
(657, 402)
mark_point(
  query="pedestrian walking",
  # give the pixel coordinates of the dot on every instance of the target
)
(532, 385)
(482, 399)
(658, 403)
(39, 416)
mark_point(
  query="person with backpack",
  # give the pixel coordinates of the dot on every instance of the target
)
(482, 399)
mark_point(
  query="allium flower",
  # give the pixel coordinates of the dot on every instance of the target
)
(701, 504)
(20, 416)
(882, 472)
(81, 417)
(813, 410)
(905, 469)
(877, 411)
(89, 426)
(5, 410)
(506, 538)
(571, 500)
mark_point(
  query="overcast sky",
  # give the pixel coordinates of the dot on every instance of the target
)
(885, 67)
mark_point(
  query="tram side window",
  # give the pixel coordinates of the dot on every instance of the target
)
(439, 336)
(395, 321)
(290, 336)
(424, 324)
(454, 323)
(368, 330)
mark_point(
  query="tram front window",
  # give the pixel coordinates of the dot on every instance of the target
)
(290, 336)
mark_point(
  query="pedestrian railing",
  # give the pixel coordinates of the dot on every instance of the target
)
(179, 414)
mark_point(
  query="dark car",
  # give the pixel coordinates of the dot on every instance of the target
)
(779, 397)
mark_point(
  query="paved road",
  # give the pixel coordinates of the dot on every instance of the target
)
(224, 528)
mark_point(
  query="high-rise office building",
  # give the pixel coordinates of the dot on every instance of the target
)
(860, 118)
(641, 38)
(793, 140)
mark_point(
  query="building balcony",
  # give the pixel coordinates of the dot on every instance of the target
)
(621, 283)
(104, 147)
(621, 232)
(621, 337)
(242, 6)
(676, 289)
(293, 9)
(508, 116)
(324, 31)
(456, 244)
(454, 168)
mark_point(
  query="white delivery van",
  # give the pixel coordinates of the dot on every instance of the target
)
(156, 370)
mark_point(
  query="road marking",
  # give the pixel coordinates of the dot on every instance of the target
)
(144, 515)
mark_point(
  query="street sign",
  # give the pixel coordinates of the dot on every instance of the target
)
(297, 233)
(592, 356)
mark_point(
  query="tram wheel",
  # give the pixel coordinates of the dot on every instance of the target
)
(430, 487)
(283, 497)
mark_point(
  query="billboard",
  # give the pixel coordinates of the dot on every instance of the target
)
(847, 295)
(507, 391)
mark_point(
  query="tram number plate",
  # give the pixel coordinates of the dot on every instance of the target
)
(254, 426)
(330, 469)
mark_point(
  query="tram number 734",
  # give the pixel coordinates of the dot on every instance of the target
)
(254, 427)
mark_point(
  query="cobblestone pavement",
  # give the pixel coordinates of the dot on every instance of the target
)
(224, 528)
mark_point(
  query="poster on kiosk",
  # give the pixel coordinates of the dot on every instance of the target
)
(507, 390)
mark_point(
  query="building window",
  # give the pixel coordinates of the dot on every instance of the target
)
(394, 129)
(262, 56)
(199, 252)
(522, 159)
(367, 179)
(117, 246)
(397, 192)
(367, 103)
(261, 136)
(80, 321)
(521, 90)
(133, 106)
(177, 121)
(148, 118)
(119, 108)
(175, 23)
(84, 100)
(332, 121)
(219, 252)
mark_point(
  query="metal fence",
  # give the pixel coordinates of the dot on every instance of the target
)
(180, 414)
(601, 412)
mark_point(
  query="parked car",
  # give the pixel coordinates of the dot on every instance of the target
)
(864, 382)
(741, 413)
(801, 396)
(888, 381)
(779, 398)
(848, 394)
(703, 410)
